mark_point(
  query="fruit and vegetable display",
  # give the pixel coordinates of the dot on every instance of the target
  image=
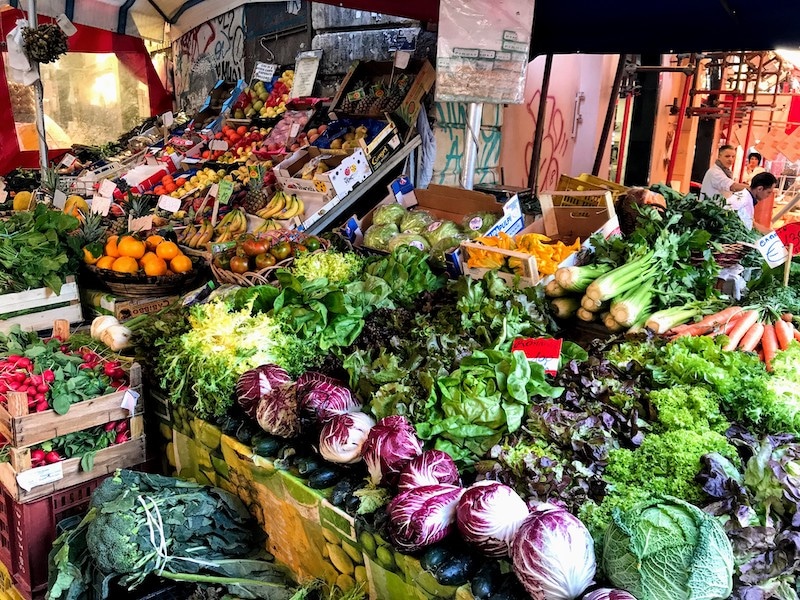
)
(265, 99)
(263, 250)
(549, 254)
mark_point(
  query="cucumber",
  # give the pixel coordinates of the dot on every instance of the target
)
(352, 552)
(266, 446)
(433, 557)
(385, 558)
(361, 575)
(367, 542)
(455, 571)
(345, 582)
(323, 477)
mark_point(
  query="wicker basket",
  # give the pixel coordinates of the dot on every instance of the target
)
(265, 276)
(145, 286)
(727, 256)
(201, 254)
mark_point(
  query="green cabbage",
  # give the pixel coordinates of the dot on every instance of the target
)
(478, 223)
(416, 221)
(439, 230)
(389, 213)
(668, 549)
(409, 239)
(378, 236)
(443, 245)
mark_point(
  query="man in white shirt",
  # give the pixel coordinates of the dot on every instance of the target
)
(753, 167)
(718, 180)
(762, 186)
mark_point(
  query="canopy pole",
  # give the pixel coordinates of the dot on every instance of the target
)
(474, 118)
(536, 154)
(609, 122)
(38, 89)
(685, 103)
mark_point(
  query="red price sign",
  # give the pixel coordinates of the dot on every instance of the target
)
(790, 234)
(545, 351)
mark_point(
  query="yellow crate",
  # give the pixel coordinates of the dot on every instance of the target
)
(615, 188)
(573, 184)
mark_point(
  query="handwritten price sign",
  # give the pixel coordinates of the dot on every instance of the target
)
(545, 351)
(772, 249)
(790, 234)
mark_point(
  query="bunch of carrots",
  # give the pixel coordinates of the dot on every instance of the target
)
(746, 331)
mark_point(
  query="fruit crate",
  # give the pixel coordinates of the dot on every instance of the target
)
(23, 430)
(616, 189)
(573, 184)
(530, 276)
(36, 309)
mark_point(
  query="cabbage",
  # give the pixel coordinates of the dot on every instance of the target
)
(443, 245)
(478, 223)
(321, 397)
(391, 444)
(258, 382)
(422, 516)
(553, 554)
(429, 468)
(441, 230)
(378, 236)
(389, 213)
(342, 437)
(409, 239)
(666, 548)
(416, 221)
(608, 594)
(488, 515)
(277, 412)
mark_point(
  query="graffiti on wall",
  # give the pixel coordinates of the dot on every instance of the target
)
(554, 142)
(450, 136)
(212, 51)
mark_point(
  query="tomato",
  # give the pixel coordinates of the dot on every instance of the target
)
(240, 264)
(300, 249)
(254, 247)
(281, 250)
(222, 261)
(265, 260)
(312, 244)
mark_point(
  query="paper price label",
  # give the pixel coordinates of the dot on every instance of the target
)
(140, 224)
(101, 205)
(169, 203)
(295, 129)
(264, 71)
(106, 188)
(772, 249)
(790, 234)
(545, 351)
(129, 400)
(168, 118)
(59, 199)
(225, 191)
(67, 161)
(32, 478)
(218, 145)
(402, 58)
(66, 25)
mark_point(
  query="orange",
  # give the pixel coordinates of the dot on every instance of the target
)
(88, 257)
(170, 187)
(106, 262)
(111, 246)
(125, 264)
(160, 190)
(152, 241)
(147, 257)
(181, 263)
(130, 246)
(155, 267)
(180, 181)
(167, 250)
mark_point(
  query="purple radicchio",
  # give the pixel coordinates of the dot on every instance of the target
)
(258, 382)
(423, 516)
(321, 397)
(278, 413)
(489, 515)
(429, 468)
(391, 444)
(342, 437)
(608, 594)
(553, 554)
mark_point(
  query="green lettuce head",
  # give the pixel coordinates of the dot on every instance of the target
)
(668, 549)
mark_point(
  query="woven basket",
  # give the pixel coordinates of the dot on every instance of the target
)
(145, 286)
(727, 256)
(203, 255)
(265, 276)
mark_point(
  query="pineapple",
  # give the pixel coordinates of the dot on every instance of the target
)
(135, 207)
(255, 199)
(49, 184)
(92, 235)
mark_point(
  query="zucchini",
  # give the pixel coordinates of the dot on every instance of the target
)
(322, 478)
(455, 571)
(433, 557)
(266, 446)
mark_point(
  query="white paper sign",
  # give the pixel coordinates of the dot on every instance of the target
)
(176, 158)
(3, 195)
(305, 73)
(32, 478)
(101, 205)
(168, 118)
(67, 161)
(295, 129)
(264, 71)
(129, 400)
(401, 59)
(59, 199)
(169, 203)
(106, 188)
(66, 25)
(772, 249)
(140, 224)
(218, 145)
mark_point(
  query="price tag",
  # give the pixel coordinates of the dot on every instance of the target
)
(168, 118)
(66, 25)
(3, 195)
(295, 129)
(176, 158)
(101, 205)
(772, 249)
(264, 71)
(32, 478)
(401, 59)
(169, 203)
(140, 224)
(545, 351)
(790, 234)
(225, 191)
(305, 73)
(67, 161)
(129, 400)
(218, 145)
(213, 190)
(59, 199)
(106, 188)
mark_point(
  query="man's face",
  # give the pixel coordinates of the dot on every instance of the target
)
(753, 163)
(761, 193)
(727, 157)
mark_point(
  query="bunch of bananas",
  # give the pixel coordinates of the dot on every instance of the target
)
(231, 226)
(197, 236)
(283, 207)
(268, 225)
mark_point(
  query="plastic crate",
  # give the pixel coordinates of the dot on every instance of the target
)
(573, 184)
(616, 189)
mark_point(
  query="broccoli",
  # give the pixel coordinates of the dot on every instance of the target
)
(111, 541)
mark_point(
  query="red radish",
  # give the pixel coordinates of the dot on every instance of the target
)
(121, 438)
(42, 388)
(42, 406)
(37, 456)
(769, 342)
(121, 426)
(48, 376)
(110, 426)
(52, 457)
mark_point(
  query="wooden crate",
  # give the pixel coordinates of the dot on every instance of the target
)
(45, 303)
(530, 269)
(23, 430)
(106, 461)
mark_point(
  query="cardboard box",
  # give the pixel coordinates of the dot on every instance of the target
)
(217, 106)
(104, 303)
(381, 72)
(345, 172)
(386, 143)
(567, 223)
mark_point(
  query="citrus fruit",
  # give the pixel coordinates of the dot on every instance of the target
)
(167, 250)
(105, 262)
(130, 246)
(125, 264)
(155, 267)
(152, 241)
(147, 256)
(111, 246)
(92, 253)
(181, 263)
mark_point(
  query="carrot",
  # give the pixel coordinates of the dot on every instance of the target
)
(787, 317)
(709, 324)
(752, 338)
(770, 344)
(796, 335)
(783, 333)
(728, 327)
(737, 333)
(760, 355)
